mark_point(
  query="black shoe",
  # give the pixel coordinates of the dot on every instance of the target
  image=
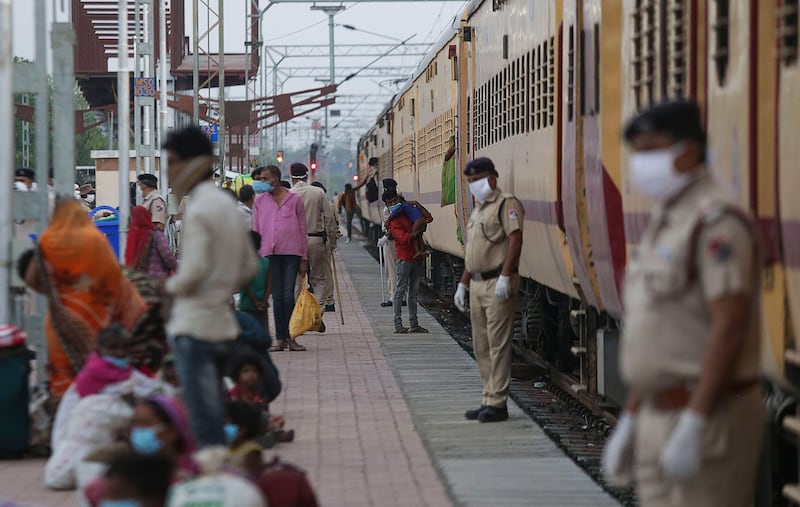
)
(405, 304)
(472, 415)
(330, 308)
(387, 304)
(401, 330)
(321, 327)
(417, 329)
(493, 414)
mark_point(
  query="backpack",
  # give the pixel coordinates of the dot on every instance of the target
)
(285, 485)
(372, 190)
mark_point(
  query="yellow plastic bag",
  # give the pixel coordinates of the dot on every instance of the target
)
(307, 313)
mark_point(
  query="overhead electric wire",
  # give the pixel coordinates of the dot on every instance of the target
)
(354, 74)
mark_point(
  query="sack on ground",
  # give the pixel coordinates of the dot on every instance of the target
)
(307, 314)
(286, 485)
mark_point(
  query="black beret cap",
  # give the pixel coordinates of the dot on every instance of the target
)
(389, 183)
(24, 172)
(286, 184)
(149, 180)
(480, 166)
(679, 119)
(299, 170)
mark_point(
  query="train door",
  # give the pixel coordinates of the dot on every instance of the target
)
(572, 169)
(603, 199)
(466, 124)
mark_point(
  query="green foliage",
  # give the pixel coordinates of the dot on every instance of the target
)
(92, 139)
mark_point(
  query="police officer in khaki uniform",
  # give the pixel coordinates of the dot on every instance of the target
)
(153, 201)
(691, 431)
(332, 228)
(494, 242)
(320, 276)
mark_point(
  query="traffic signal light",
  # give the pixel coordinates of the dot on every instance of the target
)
(312, 155)
(280, 156)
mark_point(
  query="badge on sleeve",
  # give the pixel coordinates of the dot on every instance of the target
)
(512, 214)
(159, 207)
(720, 249)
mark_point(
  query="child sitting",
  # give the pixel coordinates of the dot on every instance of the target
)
(247, 374)
(419, 216)
(253, 296)
(242, 428)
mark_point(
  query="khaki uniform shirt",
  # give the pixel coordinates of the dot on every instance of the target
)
(157, 207)
(488, 229)
(316, 205)
(667, 320)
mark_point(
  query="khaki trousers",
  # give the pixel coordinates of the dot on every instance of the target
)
(492, 331)
(390, 263)
(731, 450)
(320, 274)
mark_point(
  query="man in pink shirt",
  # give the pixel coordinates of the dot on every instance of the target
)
(280, 218)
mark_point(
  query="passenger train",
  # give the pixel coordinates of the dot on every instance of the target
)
(543, 88)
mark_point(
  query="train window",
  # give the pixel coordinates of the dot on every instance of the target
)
(413, 109)
(506, 104)
(722, 40)
(571, 74)
(551, 92)
(674, 84)
(788, 31)
(431, 100)
(521, 87)
(469, 129)
(644, 51)
(532, 89)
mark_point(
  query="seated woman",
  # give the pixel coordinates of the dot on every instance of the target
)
(159, 427)
(242, 428)
(147, 248)
(107, 371)
(86, 291)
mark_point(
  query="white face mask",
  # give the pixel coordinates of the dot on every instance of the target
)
(20, 186)
(90, 198)
(480, 189)
(653, 173)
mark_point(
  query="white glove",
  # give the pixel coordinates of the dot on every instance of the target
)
(460, 298)
(503, 288)
(382, 241)
(618, 453)
(680, 458)
(178, 225)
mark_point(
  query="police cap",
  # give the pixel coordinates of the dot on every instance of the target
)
(299, 170)
(286, 184)
(148, 180)
(679, 119)
(24, 172)
(479, 166)
(389, 183)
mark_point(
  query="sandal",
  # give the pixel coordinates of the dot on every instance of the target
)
(279, 346)
(295, 347)
(284, 435)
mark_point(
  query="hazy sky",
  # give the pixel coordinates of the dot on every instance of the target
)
(287, 24)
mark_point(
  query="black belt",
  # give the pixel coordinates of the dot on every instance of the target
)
(487, 275)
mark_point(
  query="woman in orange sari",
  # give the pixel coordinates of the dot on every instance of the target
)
(85, 289)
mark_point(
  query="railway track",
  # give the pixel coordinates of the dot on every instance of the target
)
(574, 421)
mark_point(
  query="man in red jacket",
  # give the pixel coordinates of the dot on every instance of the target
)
(409, 270)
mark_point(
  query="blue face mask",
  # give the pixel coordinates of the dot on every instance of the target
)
(120, 503)
(120, 362)
(145, 441)
(262, 186)
(395, 207)
(231, 431)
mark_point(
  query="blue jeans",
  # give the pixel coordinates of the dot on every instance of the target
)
(200, 366)
(409, 275)
(283, 269)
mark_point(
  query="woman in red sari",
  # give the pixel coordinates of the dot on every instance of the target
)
(148, 249)
(85, 289)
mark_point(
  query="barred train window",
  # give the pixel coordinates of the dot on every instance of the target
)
(676, 34)
(571, 74)
(532, 88)
(644, 48)
(788, 31)
(551, 65)
(722, 40)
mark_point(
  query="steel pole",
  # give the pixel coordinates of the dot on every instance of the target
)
(7, 162)
(222, 136)
(332, 61)
(63, 43)
(124, 115)
(195, 64)
(162, 98)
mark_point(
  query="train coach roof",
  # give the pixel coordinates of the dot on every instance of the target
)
(427, 59)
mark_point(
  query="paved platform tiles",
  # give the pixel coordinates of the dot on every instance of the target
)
(511, 463)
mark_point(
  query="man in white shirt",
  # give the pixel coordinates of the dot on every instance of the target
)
(217, 259)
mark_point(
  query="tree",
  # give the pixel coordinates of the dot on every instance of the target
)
(92, 139)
